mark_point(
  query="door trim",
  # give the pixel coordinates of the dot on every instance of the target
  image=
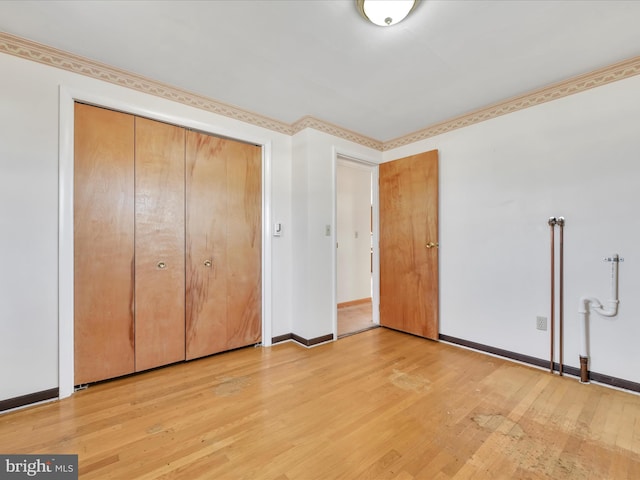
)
(67, 97)
(338, 155)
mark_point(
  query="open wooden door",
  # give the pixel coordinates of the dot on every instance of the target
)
(409, 244)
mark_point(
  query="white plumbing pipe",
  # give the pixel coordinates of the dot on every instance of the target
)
(613, 298)
(588, 304)
(583, 311)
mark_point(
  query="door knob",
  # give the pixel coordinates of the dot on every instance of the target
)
(162, 265)
(207, 263)
(431, 245)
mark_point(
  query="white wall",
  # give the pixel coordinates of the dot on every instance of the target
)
(314, 193)
(500, 181)
(29, 123)
(353, 231)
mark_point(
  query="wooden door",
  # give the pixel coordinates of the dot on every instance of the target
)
(409, 244)
(223, 232)
(103, 243)
(159, 244)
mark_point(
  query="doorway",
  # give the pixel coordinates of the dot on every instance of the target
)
(355, 263)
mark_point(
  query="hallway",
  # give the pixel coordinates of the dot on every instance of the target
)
(354, 319)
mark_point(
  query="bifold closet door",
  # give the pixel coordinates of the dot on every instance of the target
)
(159, 244)
(223, 235)
(103, 243)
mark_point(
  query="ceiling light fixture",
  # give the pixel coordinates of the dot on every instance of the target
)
(385, 12)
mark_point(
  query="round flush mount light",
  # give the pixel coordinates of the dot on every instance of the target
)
(385, 12)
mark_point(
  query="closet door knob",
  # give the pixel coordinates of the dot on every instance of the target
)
(431, 245)
(162, 265)
(207, 263)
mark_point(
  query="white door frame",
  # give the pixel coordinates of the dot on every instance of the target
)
(375, 287)
(68, 96)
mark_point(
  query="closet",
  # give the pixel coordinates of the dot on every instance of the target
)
(167, 244)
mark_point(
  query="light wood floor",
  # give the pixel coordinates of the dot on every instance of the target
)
(378, 405)
(355, 318)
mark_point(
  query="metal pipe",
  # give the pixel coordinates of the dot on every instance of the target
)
(560, 222)
(552, 223)
(584, 369)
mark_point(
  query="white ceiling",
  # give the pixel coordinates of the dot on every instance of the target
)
(286, 59)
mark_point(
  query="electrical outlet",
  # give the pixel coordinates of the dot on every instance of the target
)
(541, 323)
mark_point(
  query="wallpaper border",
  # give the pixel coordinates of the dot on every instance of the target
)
(46, 55)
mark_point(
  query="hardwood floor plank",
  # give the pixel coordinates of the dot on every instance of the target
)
(377, 405)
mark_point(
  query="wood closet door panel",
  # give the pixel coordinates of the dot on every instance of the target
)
(206, 234)
(224, 184)
(244, 247)
(408, 244)
(103, 244)
(159, 247)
